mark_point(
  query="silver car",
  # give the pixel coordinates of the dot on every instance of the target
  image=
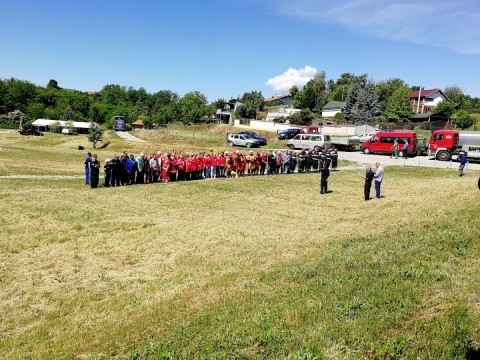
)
(243, 140)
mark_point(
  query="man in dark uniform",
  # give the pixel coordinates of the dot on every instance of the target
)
(301, 161)
(94, 171)
(328, 158)
(107, 168)
(308, 161)
(334, 159)
(315, 159)
(322, 159)
(325, 173)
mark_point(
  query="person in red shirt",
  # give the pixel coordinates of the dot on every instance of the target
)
(263, 162)
(200, 166)
(194, 174)
(221, 161)
(207, 163)
(181, 163)
(173, 168)
(166, 163)
(243, 164)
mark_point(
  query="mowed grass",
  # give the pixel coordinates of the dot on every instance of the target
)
(259, 267)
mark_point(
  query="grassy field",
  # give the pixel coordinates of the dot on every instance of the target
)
(251, 268)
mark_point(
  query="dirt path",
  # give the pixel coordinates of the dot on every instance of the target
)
(128, 137)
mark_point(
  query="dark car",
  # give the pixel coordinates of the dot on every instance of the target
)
(254, 135)
(288, 133)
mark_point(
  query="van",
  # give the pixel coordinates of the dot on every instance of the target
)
(382, 143)
(309, 141)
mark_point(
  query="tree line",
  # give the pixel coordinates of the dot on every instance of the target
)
(366, 102)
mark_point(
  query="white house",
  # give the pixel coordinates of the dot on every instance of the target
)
(426, 100)
(224, 114)
(332, 108)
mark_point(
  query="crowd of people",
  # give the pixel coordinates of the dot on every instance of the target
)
(128, 169)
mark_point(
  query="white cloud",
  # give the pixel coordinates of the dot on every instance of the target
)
(297, 77)
(444, 23)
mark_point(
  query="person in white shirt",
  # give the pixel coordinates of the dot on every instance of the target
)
(378, 178)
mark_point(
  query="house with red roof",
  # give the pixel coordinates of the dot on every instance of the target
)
(426, 100)
(137, 124)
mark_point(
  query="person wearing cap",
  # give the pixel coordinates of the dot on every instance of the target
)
(334, 159)
(301, 161)
(324, 174)
(94, 171)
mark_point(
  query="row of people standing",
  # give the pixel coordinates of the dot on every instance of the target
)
(126, 169)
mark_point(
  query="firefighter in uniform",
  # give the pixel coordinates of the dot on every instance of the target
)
(94, 171)
(325, 173)
(315, 159)
(328, 158)
(334, 160)
(301, 161)
(322, 159)
(308, 161)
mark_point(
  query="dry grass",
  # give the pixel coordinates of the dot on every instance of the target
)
(100, 273)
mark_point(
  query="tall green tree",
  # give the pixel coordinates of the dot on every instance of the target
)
(463, 119)
(445, 108)
(254, 102)
(362, 102)
(399, 106)
(95, 134)
(303, 117)
(386, 89)
(194, 108)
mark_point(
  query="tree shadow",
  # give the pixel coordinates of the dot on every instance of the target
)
(104, 145)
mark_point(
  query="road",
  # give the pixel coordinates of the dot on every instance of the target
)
(423, 161)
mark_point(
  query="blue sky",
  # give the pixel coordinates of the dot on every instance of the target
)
(224, 48)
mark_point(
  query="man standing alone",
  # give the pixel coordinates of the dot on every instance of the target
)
(325, 173)
(463, 161)
(378, 176)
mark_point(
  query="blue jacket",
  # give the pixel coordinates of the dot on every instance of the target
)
(463, 159)
(131, 166)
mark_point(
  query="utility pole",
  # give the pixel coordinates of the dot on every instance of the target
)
(418, 101)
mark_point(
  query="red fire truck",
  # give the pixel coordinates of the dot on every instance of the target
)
(445, 144)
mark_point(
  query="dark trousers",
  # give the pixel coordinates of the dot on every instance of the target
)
(366, 189)
(323, 186)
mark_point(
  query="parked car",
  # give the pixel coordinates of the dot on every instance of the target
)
(255, 136)
(288, 133)
(243, 140)
(309, 141)
(364, 137)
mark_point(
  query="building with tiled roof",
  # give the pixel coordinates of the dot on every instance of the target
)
(426, 100)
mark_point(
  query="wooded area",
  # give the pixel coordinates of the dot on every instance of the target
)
(365, 101)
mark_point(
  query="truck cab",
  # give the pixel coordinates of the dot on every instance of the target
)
(442, 144)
